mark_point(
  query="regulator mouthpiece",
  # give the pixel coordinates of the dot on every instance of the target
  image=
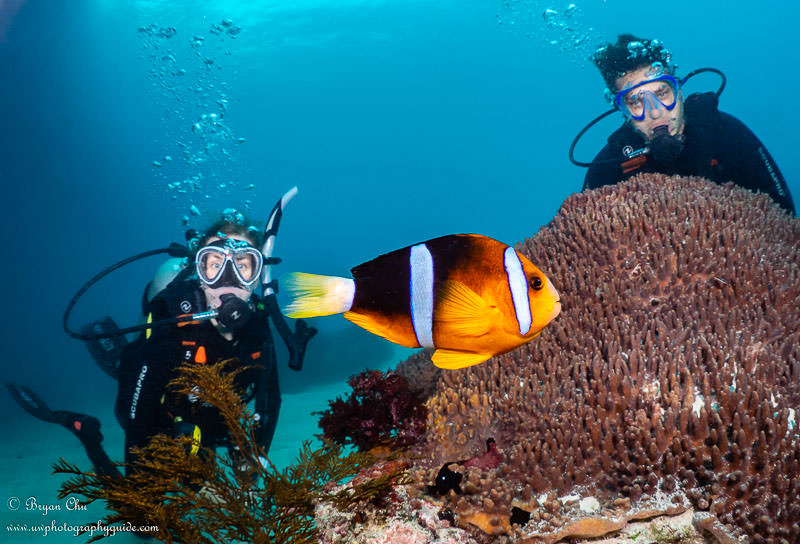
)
(234, 312)
(664, 147)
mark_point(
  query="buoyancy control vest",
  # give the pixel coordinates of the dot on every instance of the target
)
(198, 342)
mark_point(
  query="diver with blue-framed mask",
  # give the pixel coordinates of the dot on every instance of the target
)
(670, 133)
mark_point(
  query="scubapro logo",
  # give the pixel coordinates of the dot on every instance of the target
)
(137, 392)
(771, 170)
(186, 306)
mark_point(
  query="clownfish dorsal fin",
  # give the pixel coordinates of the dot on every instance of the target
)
(461, 311)
(451, 359)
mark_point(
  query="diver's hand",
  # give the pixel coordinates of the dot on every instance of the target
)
(303, 332)
(297, 346)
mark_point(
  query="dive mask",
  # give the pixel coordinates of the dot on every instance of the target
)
(229, 262)
(637, 100)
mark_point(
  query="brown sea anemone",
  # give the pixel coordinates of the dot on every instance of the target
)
(671, 379)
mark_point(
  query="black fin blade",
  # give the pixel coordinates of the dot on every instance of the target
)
(106, 352)
(30, 402)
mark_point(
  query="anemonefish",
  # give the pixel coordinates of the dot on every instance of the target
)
(469, 296)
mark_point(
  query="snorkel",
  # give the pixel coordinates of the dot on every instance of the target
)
(268, 288)
(296, 340)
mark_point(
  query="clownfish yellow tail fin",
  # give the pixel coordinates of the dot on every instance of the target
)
(314, 295)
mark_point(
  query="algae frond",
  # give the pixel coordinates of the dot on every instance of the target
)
(210, 497)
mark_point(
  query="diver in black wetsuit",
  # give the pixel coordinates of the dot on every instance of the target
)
(227, 268)
(667, 133)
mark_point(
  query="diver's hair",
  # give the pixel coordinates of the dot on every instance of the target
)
(628, 54)
(238, 227)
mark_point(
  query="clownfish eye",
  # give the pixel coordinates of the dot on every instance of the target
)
(536, 283)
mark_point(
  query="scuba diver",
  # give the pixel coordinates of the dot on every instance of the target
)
(668, 133)
(204, 313)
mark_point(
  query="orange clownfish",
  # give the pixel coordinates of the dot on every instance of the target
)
(467, 295)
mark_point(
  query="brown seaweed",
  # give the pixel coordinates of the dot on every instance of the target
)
(209, 497)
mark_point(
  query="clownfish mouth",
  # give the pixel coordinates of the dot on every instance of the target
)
(556, 310)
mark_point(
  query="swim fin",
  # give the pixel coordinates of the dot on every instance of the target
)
(86, 428)
(31, 403)
(106, 352)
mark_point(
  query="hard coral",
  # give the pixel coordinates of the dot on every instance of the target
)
(670, 380)
(381, 409)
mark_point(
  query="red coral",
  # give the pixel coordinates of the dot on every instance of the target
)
(381, 409)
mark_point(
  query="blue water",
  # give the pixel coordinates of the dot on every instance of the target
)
(398, 121)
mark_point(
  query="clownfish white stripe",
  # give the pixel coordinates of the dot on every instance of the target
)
(518, 286)
(421, 262)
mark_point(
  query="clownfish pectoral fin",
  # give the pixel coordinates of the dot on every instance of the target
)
(314, 295)
(452, 359)
(462, 312)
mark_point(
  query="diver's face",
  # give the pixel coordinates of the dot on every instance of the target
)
(656, 114)
(215, 262)
(213, 294)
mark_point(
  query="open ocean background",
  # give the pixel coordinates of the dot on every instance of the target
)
(122, 123)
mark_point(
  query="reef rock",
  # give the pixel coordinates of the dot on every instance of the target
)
(404, 516)
(670, 382)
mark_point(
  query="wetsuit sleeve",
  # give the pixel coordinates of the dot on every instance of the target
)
(748, 163)
(145, 369)
(603, 173)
